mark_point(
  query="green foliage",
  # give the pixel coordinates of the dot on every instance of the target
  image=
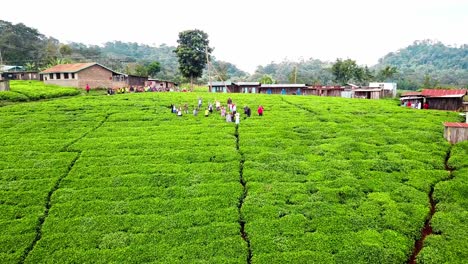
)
(153, 68)
(311, 71)
(345, 70)
(328, 180)
(192, 53)
(266, 79)
(445, 64)
(36, 90)
(387, 73)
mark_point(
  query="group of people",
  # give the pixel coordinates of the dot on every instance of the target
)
(140, 89)
(415, 105)
(229, 113)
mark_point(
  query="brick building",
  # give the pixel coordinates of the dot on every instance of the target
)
(81, 74)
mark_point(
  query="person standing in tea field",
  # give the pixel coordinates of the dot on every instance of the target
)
(199, 102)
(247, 111)
(218, 105)
(237, 117)
(207, 112)
(223, 111)
(210, 107)
(195, 111)
(260, 110)
(87, 88)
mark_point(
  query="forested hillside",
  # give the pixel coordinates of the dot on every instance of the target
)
(430, 64)
(22, 45)
(424, 64)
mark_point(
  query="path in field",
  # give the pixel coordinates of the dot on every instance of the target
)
(243, 197)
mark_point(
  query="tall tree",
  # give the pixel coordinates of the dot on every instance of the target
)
(345, 70)
(267, 79)
(387, 73)
(153, 68)
(192, 53)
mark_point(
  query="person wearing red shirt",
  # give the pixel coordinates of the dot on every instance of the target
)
(260, 110)
(87, 88)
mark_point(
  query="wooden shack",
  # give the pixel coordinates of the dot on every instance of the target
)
(322, 90)
(368, 93)
(456, 132)
(444, 99)
(160, 85)
(4, 85)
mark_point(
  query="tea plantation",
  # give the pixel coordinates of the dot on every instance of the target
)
(120, 179)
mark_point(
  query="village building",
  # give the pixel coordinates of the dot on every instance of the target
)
(160, 85)
(456, 132)
(322, 90)
(389, 89)
(442, 99)
(294, 89)
(11, 68)
(13, 72)
(221, 86)
(23, 75)
(93, 74)
(245, 87)
(368, 93)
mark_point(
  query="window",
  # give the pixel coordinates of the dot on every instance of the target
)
(58, 76)
(65, 75)
(51, 76)
(73, 75)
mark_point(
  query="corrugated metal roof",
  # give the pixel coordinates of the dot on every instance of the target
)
(411, 94)
(246, 83)
(11, 68)
(73, 67)
(448, 124)
(443, 93)
(283, 86)
(226, 83)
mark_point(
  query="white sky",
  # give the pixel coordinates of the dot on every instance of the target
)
(249, 33)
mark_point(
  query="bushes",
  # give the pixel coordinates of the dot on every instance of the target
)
(35, 90)
(331, 181)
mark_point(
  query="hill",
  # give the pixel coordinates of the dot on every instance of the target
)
(430, 64)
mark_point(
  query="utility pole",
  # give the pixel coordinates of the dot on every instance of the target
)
(209, 72)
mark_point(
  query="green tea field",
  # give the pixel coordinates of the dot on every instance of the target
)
(121, 179)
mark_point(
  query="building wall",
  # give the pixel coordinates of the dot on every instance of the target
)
(95, 76)
(137, 81)
(456, 134)
(61, 82)
(451, 104)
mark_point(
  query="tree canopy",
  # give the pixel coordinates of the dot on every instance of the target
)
(192, 53)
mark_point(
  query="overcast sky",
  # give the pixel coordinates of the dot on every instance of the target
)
(249, 33)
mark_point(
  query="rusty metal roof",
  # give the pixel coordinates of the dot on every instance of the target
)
(443, 93)
(411, 94)
(449, 124)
